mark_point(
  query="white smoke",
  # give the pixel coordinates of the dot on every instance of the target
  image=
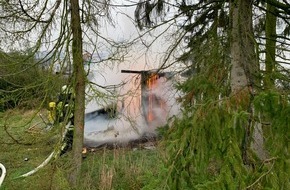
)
(130, 123)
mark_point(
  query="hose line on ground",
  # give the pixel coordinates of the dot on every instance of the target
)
(3, 173)
(47, 160)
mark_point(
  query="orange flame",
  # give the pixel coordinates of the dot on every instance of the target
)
(151, 84)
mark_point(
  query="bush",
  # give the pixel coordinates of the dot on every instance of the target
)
(23, 84)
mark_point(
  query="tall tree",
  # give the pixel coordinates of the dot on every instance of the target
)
(79, 89)
(270, 31)
(275, 40)
(210, 145)
(243, 57)
(245, 68)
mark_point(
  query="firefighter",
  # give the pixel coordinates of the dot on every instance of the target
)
(65, 109)
(51, 112)
(65, 104)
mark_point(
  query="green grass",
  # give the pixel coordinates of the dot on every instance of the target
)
(22, 135)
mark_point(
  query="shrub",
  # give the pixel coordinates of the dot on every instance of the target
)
(23, 84)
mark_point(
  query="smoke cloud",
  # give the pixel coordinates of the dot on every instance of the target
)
(130, 121)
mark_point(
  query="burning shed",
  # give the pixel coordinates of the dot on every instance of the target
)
(151, 100)
(155, 103)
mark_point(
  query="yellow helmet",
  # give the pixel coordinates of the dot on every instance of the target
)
(52, 104)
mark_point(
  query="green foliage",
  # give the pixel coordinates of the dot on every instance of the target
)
(204, 149)
(209, 147)
(23, 83)
(273, 109)
(205, 146)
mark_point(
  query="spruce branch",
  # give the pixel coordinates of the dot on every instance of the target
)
(255, 182)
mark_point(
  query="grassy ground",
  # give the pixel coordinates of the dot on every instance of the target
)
(24, 144)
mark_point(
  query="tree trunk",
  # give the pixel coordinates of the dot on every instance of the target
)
(244, 65)
(245, 71)
(79, 89)
(270, 46)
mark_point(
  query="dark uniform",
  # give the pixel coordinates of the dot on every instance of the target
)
(65, 109)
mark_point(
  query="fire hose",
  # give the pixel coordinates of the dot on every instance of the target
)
(47, 160)
(3, 173)
(44, 163)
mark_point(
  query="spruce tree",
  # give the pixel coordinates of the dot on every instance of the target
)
(217, 143)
